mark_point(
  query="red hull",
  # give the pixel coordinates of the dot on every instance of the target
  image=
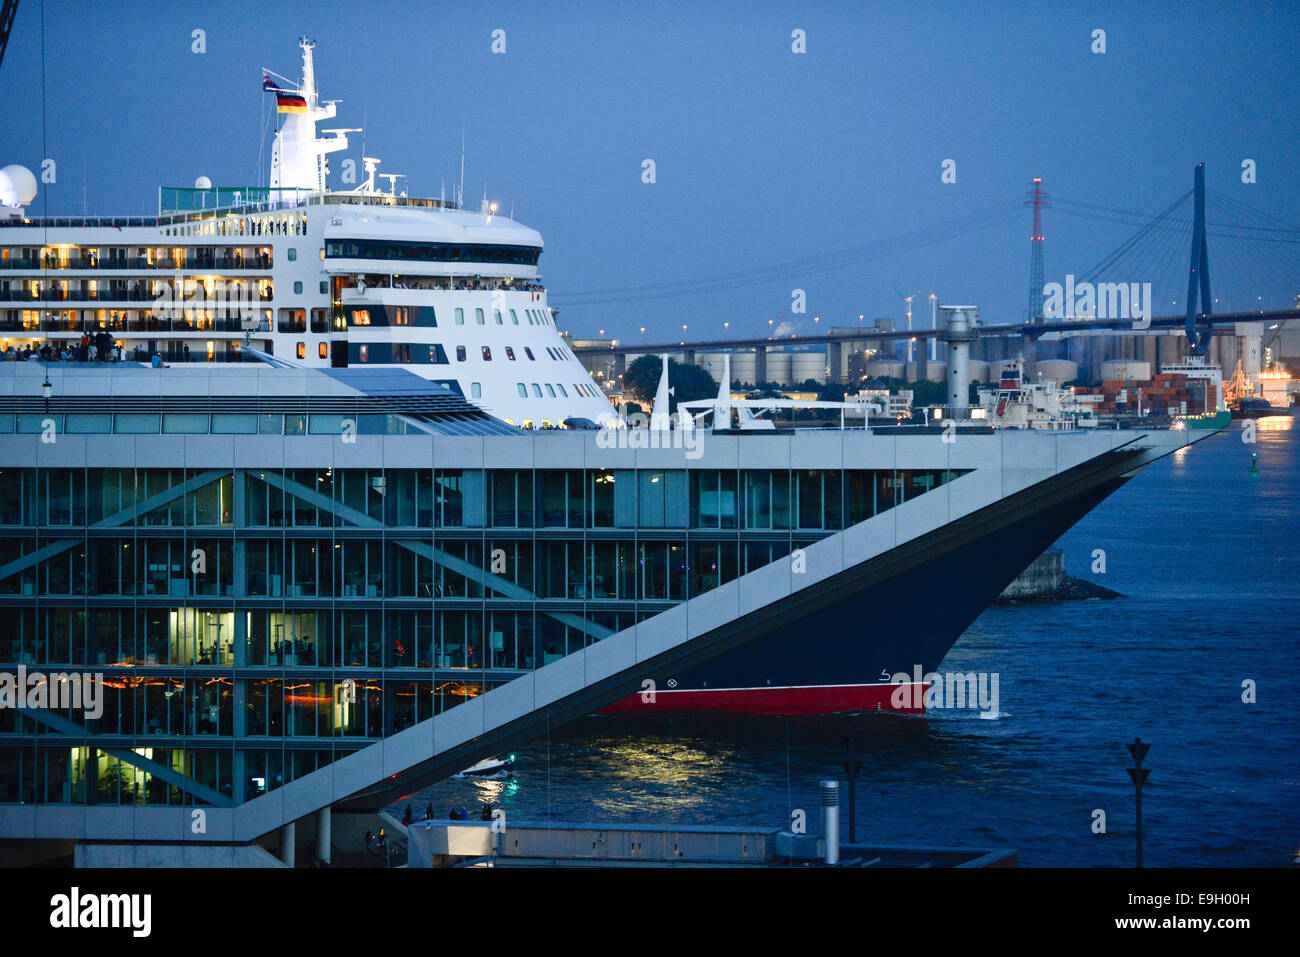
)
(809, 699)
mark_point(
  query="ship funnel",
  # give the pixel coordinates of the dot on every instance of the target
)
(831, 820)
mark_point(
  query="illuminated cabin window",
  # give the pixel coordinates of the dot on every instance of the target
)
(363, 353)
(302, 350)
(360, 317)
(433, 354)
(487, 354)
(323, 350)
(401, 316)
(510, 353)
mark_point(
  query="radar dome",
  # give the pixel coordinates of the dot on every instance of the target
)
(203, 183)
(17, 185)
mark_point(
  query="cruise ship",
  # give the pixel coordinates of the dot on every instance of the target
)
(249, 598)
(315, 277)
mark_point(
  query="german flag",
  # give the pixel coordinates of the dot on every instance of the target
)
(287, 102)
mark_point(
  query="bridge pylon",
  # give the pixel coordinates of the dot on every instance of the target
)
(1198, 275)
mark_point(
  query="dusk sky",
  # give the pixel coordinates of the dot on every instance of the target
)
(766, 160)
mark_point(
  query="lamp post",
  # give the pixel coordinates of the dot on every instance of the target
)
(1139, 775)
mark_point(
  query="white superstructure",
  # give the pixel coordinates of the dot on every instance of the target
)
(312, 276)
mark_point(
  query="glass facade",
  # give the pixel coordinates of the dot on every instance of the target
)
(253, 625)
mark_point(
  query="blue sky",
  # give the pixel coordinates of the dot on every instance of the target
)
(764, 157)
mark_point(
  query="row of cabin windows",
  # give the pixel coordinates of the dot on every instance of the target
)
(431, 252)
(486, 352)
(536, 317)
(537, 390)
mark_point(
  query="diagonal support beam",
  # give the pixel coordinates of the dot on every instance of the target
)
(115, 520)
(502, 586)
(69, 728)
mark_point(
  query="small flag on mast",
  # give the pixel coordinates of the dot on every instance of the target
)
(287, 102)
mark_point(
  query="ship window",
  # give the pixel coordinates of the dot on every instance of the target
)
(363, 353)
(476, 390)
(537, 390)
(579, 389)
(487, 354)
(297, 288)
(302, 350)
(523, 390)
(460, 351)
(323, 351)
(478, 317)
(324, 287)
(514, 317)
(497, 314)
(563, 394)
(360, 317)
(460, 316)
(510, 353)
(293, 254)
(550, 390)
(401, 317)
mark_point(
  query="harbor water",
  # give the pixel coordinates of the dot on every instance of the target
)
(1207, 558)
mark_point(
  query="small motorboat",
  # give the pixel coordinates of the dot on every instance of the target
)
(490, 768)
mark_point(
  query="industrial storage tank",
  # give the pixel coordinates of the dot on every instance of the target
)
(807, 365)
(979, 370)
(934, 371)
(778, 367)
(1059, 371)
(1135, 369)
(714, 363)
(885, 369)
